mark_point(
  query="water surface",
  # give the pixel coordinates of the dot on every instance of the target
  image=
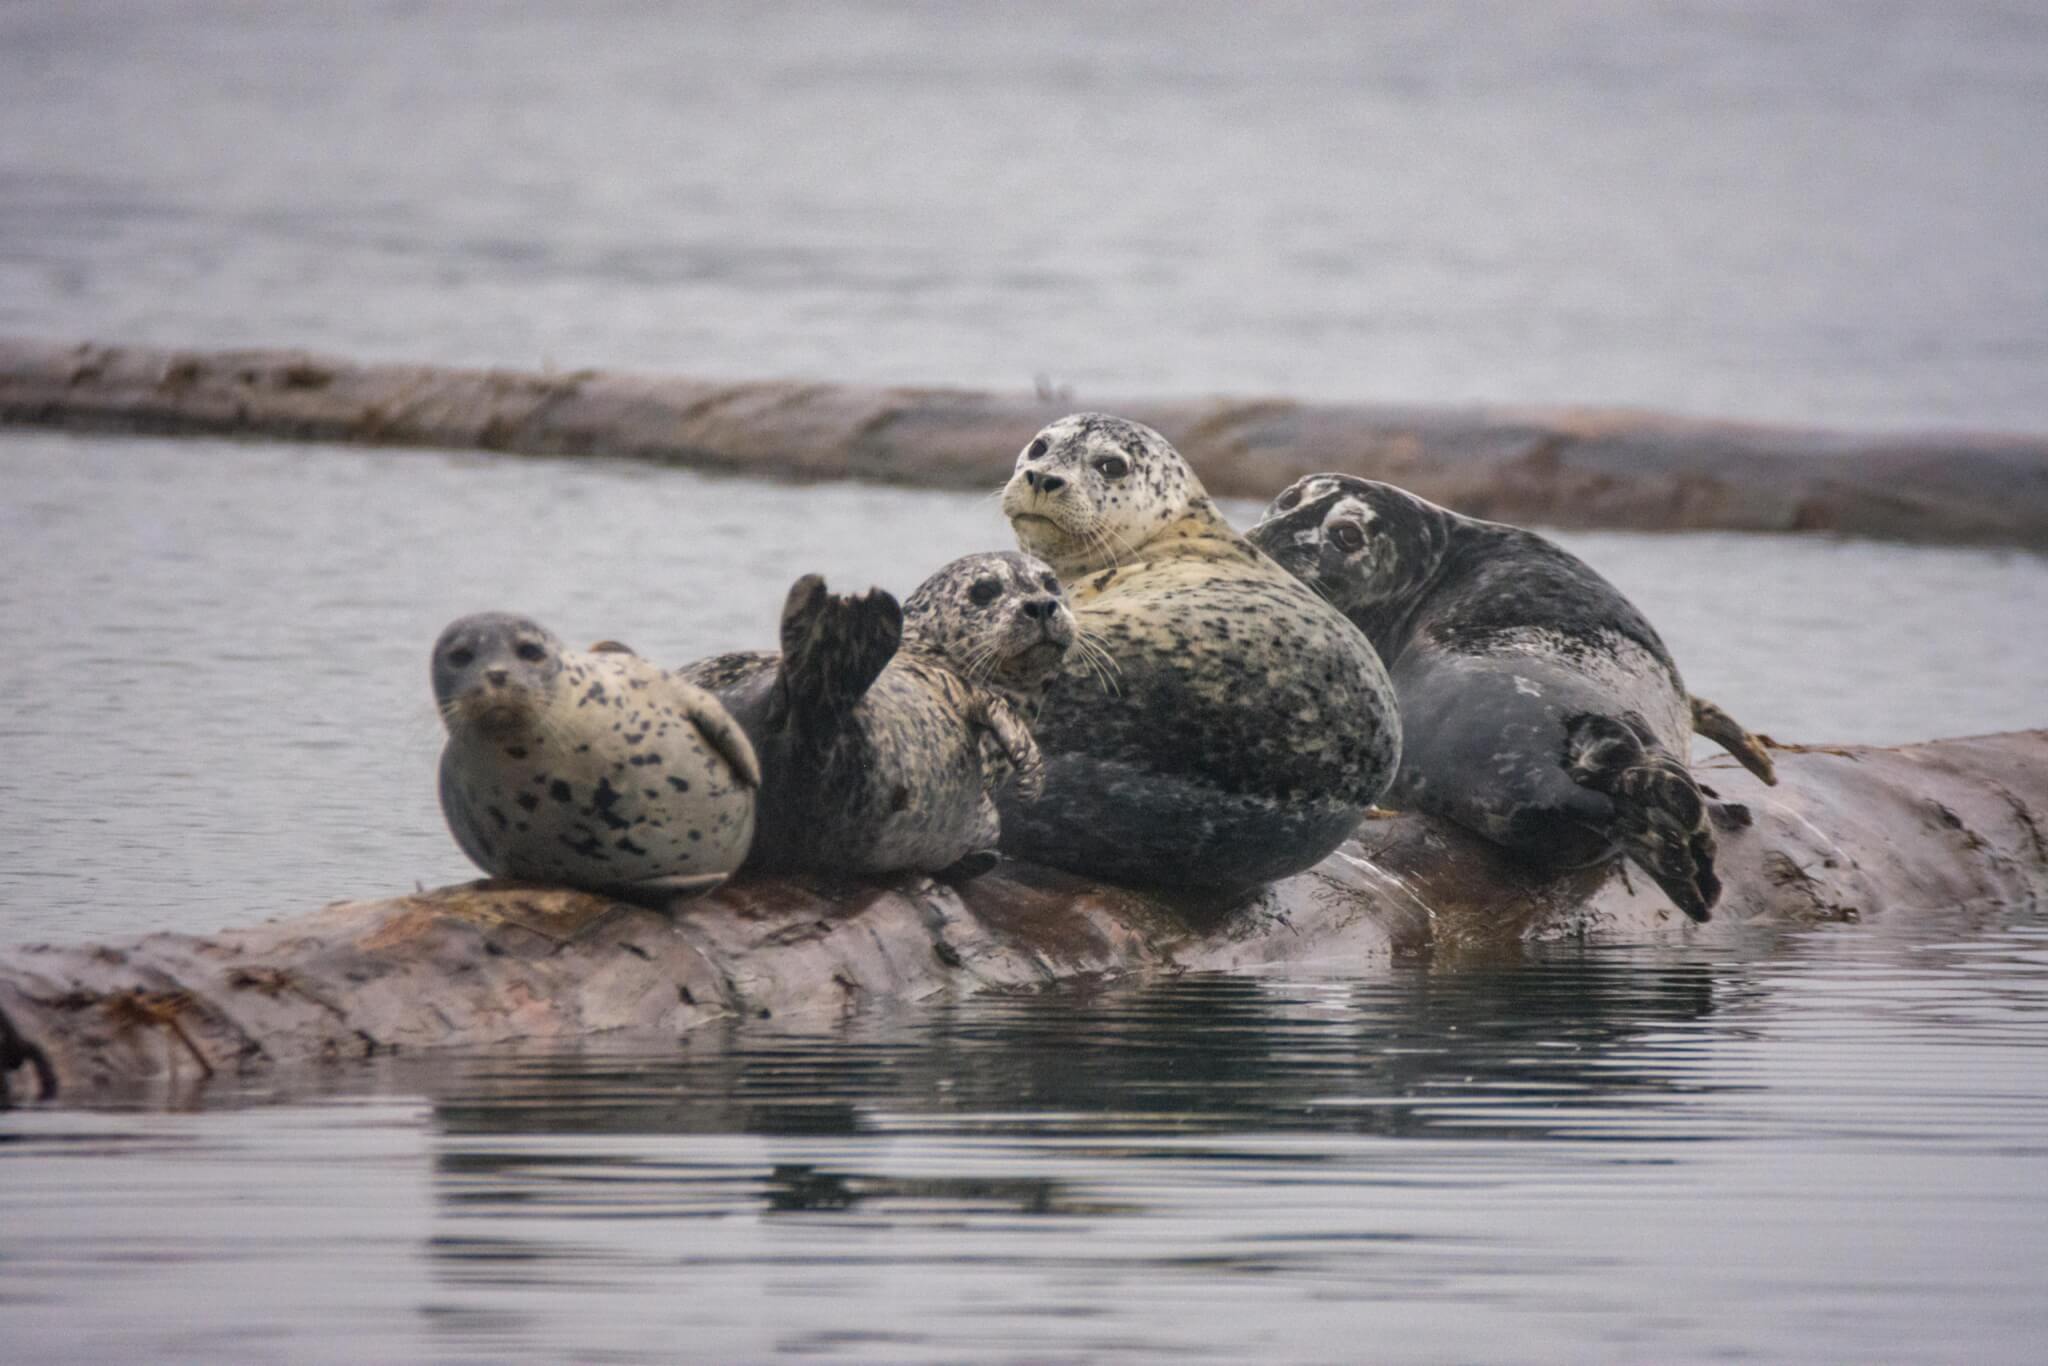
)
(1833, 213)
(1825, 1148)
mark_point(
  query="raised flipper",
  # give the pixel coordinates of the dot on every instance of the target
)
(834, 647)
(998, 719)
(1660, 815)
(612, 647)
(1725, 731)
(723, 734)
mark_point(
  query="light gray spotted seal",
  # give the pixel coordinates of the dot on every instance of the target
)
(597, 770)
(1539, 707)
(1243, 727)
(884, 730)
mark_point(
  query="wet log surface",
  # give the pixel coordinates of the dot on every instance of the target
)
(1570, 467)
(1848, 834)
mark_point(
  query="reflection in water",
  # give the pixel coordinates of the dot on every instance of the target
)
(1790, 1150)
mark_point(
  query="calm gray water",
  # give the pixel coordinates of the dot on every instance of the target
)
(1833, 212)
(1820, 1145)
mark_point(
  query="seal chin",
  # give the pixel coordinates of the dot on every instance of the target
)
(1034, 661)
(495, 715)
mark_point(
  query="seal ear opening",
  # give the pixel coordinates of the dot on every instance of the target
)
(834, 647)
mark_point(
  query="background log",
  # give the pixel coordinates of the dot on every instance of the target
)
(1565, 467)
(1849, 833)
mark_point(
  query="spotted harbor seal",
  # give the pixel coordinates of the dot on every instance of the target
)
(883, 729)
(1237, 726)
(593, 770)
(1539, 707)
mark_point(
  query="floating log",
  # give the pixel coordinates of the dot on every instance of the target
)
(1849, 833)
(1566, 467)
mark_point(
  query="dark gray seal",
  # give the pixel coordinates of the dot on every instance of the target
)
(883, 730)
(1539, 708)
(1234, 727)
(596, 770)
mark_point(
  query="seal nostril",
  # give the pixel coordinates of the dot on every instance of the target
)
(1031, 479)
(1038, 609)
(498, 677)
(1047, 483)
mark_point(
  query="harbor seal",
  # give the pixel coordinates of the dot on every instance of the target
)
(594, 770)
(1244, 726)
(884, 730)
(1539, 707)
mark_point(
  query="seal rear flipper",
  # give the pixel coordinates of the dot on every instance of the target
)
(1661, 820)
(834, 647)
(1725, 731)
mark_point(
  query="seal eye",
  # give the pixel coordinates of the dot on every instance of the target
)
(1350, 538)
(1113, 466)
(984, 592)
(461, 658)
(1290, 499)
(1035, 449)
(1052, 584)
(530, 652)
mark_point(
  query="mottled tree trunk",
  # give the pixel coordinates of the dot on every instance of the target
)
(1560, 467)
(1848, 833)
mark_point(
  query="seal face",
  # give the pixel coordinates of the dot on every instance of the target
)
(1222, 725)
(597, 771)
(1540, 708)
(884, 729)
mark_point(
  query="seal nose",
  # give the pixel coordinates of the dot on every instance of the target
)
(498, 677)
(1044, 483)
(1041, 609)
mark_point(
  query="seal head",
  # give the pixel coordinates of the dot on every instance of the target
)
(999, 620)
(495, 671)
(1090, 489)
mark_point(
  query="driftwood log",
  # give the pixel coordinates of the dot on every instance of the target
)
(1848, 834)
(1569, 467)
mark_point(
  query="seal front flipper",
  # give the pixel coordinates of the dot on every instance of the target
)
(834, 647)
(724, 735)
(1660, 815)
(998, 719)
(1730, 734)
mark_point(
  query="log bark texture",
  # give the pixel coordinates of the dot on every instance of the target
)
(1568, 467)
(1848, 834)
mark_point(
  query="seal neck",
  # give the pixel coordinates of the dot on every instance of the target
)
(1199, 533)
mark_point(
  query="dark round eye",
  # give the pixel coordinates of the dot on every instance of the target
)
(984, 592)
(1035, 449)
(1289, 499)
(1348, 536)
(530, 652)
(1113, 466)
(1052, 584)
(461, 658)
